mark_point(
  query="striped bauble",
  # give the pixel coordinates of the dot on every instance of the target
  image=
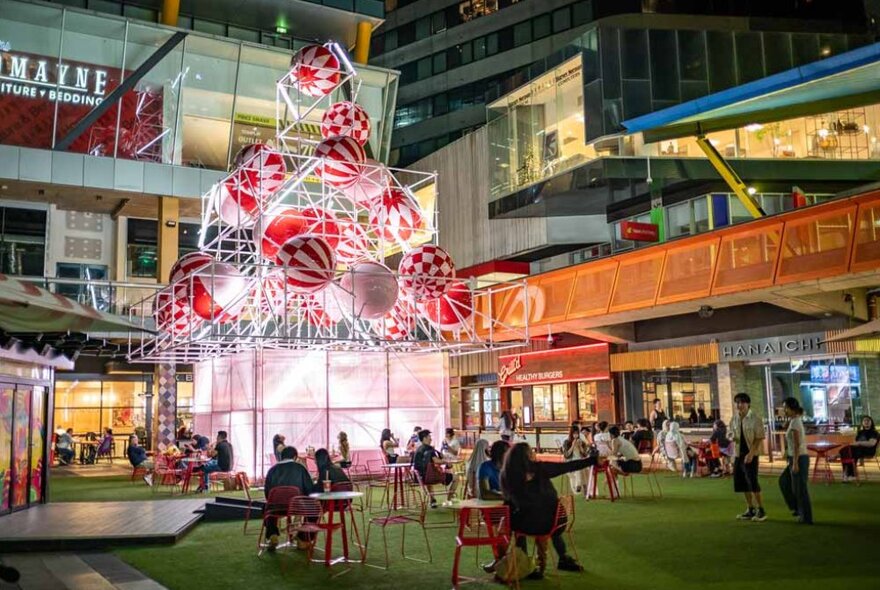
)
(354, 243)
(264, 166)
(396, 215)
(174, 317)
(346, 119)
(272, 231)
(341, 160)
(451, 310)
(309, 263)
(315, 71)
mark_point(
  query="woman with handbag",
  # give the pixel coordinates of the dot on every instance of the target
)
(527, 488)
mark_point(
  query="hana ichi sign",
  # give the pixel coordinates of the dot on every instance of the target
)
(576, 363)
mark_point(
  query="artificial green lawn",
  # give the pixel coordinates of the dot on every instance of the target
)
(687, 540)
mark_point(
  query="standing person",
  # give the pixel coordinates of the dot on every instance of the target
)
(64, 444)
(389, 445)
(794, 479)
(478, 457)
(222, 459)
(748, 437)
(287, 472)
(278, 445)
(506, 426)
(864, 447)
(717, 441)
(528, 489)
(657, 417)
(575, 449)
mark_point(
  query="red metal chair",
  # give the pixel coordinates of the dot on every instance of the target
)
(481, 527)
(429, 496)
(277, 506)
(564, 521)
(604, 469)
(243, 481)
(305, 515)
(351, 506)
(411, 512)
(165, 475)
(650, 476)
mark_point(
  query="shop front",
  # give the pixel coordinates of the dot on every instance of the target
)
(552, 388)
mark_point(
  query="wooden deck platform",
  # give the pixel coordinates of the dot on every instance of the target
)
(82, 526)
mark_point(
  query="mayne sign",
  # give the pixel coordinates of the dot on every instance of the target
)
(560, 365)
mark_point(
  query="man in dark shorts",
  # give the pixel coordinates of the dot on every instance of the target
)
(748, 437)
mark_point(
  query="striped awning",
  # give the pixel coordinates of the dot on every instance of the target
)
(25, 307)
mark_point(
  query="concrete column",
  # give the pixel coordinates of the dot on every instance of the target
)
(169, 218)
(170, 12)
(166, 391)
(726, 389)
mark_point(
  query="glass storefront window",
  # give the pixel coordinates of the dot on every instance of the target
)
(491, 406)
(471, 402)
(538, 130)
(550, 402)
(587, 392)
(22, 241)
(681, 392)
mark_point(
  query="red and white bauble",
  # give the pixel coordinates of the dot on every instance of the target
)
(346, 119)
(312, 309)
(371, 289)
(315, 70)
(219, 292)
(322, 223)
(426, 271)
(397, 324)
(451, 310)
(309, 263)
(264, 166)
(354, 243)
(373, 180)
(187, 265)
(396, 215)
(235, 200)
(273, 231)
(174, 317)
(341, 162)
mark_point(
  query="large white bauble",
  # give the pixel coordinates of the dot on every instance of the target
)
(370, 289)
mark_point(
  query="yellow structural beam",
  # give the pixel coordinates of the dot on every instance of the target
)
(169, 220)
(362, 43)
(730, 177)
(170, 12)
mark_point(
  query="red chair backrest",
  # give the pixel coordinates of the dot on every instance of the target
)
(496, 519)
(305, 507)
(279, 497)
(646, 446)
(241, 479)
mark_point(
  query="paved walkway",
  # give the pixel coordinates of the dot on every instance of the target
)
(75, 571)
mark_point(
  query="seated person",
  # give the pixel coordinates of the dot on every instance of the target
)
(489, 475)
(629, 460)
(864, 447)
(429, 466)
(344, 459)
(628, 430)
(105, 447)
(601, 439)
(184, 440)
(287, 472)
(221, 460)
(137, 456)
(64, 446)
(451, 448)
(677, 448)
(643, 437)
(327, 470)
(389, 445)
(413, 442)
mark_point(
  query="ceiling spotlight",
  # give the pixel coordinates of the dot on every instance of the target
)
(705, 311)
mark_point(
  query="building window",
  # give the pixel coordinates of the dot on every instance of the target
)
(561, 20)
(22, 241)
(423, 68)
(482, 407)
(522, 33)
(438, 22)
(142, 248)
(423, 27)
(550, 402)
(587, 392)
(439, 62)
(542, 26)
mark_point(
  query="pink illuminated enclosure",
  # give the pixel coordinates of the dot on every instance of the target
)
(290, 312)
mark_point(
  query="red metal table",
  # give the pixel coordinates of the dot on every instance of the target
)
(339, 502)
(822, 448)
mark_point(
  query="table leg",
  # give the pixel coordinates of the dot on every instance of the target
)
(816, 467)
(344, 534)
(328, 534)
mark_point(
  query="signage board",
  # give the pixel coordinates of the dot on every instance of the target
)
(562, 365)
(639, 232)
(776, 347)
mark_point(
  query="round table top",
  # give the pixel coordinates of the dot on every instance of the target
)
(336, 495)
(395, 465)
(476, 503)
(193, 460)
(823, 444)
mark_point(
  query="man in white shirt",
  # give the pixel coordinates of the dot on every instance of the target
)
(629, 460)
(64, 445)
